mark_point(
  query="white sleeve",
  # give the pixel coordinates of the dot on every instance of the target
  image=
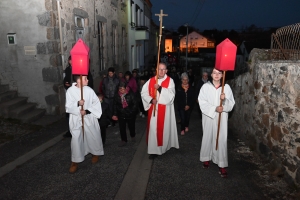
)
(146, 98)
(207, 107)
(229, 102)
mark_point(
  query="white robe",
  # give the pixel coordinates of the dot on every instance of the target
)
(92, 141)
(209, 99)
(170, 137)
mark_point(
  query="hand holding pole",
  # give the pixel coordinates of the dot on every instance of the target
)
(82, 119)
(219, 120)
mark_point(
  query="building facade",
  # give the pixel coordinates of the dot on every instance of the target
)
(37, 36)
(139, 31)
(193, 41)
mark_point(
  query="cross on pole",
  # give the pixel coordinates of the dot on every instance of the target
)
(161, 15)
(160, 20)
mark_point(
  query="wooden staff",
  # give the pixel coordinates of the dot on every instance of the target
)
(219, 120)
(82, 120)
(158, 52)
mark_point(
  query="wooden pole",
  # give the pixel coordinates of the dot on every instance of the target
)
(158, 52)
(82, 106)
(219, 120)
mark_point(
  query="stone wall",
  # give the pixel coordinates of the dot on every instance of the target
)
(266, 114)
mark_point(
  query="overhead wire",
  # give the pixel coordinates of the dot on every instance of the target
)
(195, 12)
(195, 18)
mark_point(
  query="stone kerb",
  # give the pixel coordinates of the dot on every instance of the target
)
(267, 112)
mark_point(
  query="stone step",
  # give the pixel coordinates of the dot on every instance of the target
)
(4, 88)
(8, 96)
(32, 115)
(21, 110)
(5, 107)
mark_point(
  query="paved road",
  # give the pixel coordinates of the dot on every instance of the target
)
(123, 172)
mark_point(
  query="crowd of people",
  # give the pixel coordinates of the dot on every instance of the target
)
(166, 97)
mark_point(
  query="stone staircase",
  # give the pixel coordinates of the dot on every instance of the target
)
(15, 107)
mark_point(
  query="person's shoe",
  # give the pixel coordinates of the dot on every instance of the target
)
(95, 159)
(186, 129)
(133, 139)
(182, 133)
(223, 172)
(122, 144)
(152, 156)
(206, 165)
(67, 134)
(73, 167)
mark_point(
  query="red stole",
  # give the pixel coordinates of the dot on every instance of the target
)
(161, 111)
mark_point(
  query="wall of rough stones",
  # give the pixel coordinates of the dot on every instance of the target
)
(266, 114)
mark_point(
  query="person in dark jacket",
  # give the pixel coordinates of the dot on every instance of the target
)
(125, 108)
(67, 83)
(130, 82)
(68, 74)
(106, 114)
(185, 100)
(110, 88)
(201, 82)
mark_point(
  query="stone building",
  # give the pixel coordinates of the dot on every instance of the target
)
(37, 36)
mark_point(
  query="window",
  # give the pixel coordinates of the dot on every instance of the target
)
(147, 22)
(101, 45)
(79, 22)
(123, 48)
(114, 44)
(79, 27)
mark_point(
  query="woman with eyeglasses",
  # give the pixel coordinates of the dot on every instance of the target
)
(185, 100)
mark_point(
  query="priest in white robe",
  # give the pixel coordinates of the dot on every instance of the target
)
(209, 102)
(161, 128)
(89, 141)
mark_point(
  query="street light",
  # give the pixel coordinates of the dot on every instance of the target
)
(186, 51)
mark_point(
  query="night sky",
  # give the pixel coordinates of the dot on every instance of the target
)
(226, 14)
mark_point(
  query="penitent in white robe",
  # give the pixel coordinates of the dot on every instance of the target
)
(92, 141)
(170, 137)
(209, 99)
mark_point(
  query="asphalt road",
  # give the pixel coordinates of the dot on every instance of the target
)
(127, 173)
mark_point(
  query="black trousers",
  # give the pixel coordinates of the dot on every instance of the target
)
(103, 133)
(185, 118)
(110, 102)
(141, 106)
(131, 126)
